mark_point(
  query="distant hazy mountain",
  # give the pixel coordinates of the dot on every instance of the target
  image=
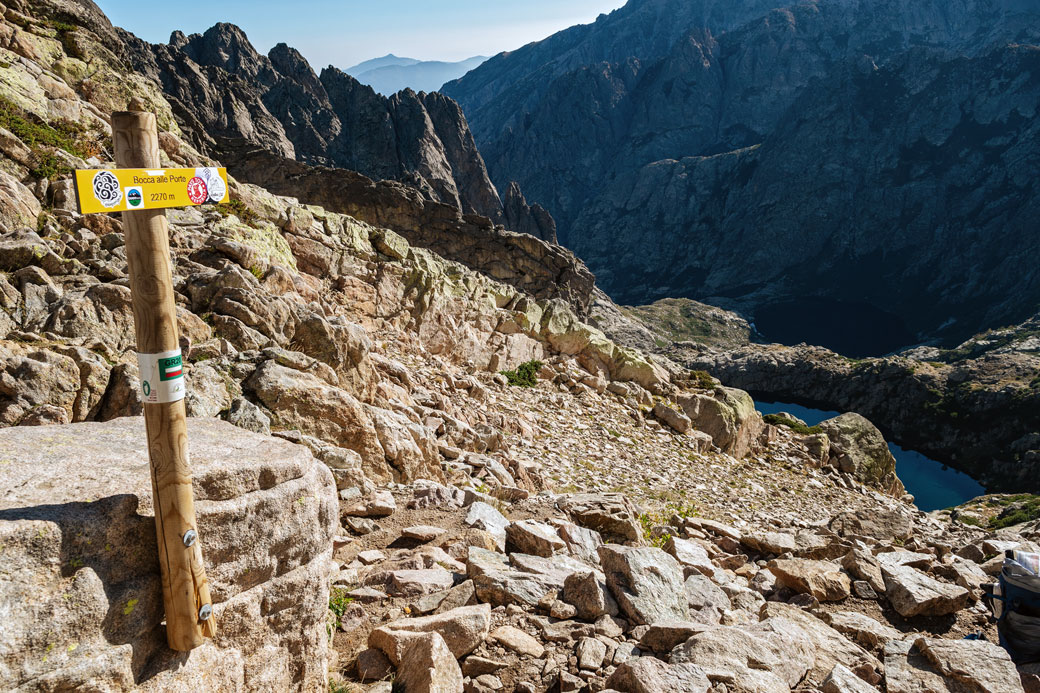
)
(376, 63)
(390, 74)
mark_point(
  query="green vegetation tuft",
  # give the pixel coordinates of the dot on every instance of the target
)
(61, 26)
(703, 380)
(48, 166)
(1023, 507)
(945, 403)
(339, 600)
(63, 134)
(339, 687)
(72, 137)
(779, 420)
(679, 509)
(648, 522)
(525, 375)
(237, 207)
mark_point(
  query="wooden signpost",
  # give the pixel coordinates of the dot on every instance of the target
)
(140, 194)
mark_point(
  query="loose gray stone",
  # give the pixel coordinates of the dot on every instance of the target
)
(650, 675)
(536, 538)
(591, 653)
(518, 641)
(483, 516)
(589, 596)
(912, 593)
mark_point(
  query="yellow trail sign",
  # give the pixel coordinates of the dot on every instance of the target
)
(129, 189)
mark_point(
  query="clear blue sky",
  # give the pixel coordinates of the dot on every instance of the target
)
(345, 33)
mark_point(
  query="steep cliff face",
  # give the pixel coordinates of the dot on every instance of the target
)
(230, 99)
(838, 150)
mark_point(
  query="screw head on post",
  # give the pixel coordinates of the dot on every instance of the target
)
(189, 537)
(205, 611)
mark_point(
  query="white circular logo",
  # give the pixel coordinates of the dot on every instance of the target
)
(214, 183)
(106, 188)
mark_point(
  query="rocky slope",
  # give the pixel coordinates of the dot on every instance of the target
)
(489, 537)
(853, 157)
(543, 269)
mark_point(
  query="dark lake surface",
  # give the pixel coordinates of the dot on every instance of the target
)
(933, 484)
(854, 329)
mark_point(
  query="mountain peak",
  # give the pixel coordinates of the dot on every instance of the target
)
(224, 45)
(290, 63)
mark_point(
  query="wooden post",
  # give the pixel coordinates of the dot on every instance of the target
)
(185, 589)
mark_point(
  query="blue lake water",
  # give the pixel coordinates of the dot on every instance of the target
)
(933, 484)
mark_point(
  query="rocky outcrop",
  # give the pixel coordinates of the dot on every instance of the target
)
(78, 534)
(858, 448)
(727, 415)
(538, 267)
(524, 218)
(943, 665)
(692, 147)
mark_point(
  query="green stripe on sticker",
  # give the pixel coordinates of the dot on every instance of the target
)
(170, 368)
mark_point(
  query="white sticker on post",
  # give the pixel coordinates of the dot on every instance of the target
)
(162, 376)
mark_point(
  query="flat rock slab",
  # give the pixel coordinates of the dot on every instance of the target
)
(912, 593)
(78, 533)
(771, 656)
(646, 582)
(843, 680)
(651, 675)
(861, 628)
(665, 635)
(610, 514)
(802, 544)
(462, 629)
(422, 532)
(485, 517)
(415, 583)
(692, 556)
(536, 538)
(933, 665)
(822, 579)
(829, 645)
(891, 559)
(380, 504)
(518, 641)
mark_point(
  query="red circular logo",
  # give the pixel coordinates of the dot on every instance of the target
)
(197, 190)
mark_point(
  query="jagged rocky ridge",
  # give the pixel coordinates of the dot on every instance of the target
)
(849, 156)
(229, 99)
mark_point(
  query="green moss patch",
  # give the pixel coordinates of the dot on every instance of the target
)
(525, 375)
(1019, 508)
(797, 427)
